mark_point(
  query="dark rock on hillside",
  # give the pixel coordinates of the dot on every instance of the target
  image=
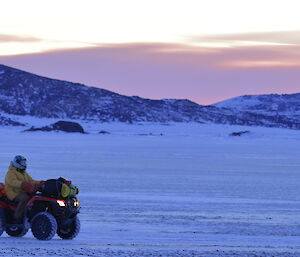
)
(65, 126)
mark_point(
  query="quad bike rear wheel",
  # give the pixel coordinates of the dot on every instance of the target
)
(2, 221)
(43, 226)
(15, 231)
(71, 231)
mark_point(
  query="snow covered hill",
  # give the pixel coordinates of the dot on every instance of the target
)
(27, 94)
(287, 104)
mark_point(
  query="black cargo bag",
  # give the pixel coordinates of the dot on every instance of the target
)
(52, 187)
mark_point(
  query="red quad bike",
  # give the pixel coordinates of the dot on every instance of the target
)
(53, 209)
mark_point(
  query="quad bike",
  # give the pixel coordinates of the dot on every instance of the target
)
(47, 212)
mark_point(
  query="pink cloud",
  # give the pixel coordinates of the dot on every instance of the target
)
(5, 38)
(279, 37)
(260, 64)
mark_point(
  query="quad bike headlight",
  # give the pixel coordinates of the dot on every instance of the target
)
(61, 203)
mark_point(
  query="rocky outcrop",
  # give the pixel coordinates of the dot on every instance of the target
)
(66, 126)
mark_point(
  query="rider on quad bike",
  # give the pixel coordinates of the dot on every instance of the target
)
(50, 207)
(19, 185)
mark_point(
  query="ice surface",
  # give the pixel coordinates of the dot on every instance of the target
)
(192, 191)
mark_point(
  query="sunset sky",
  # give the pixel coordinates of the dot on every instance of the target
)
(206, 51)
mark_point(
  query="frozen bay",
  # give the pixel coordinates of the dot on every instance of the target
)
(176, 190)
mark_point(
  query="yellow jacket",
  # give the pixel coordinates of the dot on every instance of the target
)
(13, 181)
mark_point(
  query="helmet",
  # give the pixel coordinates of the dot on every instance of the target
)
(19, 162)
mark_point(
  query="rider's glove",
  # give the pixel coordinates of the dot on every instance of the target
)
(38, 185)
(28, 187)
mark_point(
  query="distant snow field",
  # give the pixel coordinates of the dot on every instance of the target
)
(168, 190)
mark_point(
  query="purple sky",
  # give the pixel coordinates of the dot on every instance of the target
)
(203, 75)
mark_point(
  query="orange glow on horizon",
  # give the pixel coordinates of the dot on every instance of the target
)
(260, 64)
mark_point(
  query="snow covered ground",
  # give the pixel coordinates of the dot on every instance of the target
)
(184, 190)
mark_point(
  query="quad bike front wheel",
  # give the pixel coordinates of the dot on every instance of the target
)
(70, 231)
(43, 226)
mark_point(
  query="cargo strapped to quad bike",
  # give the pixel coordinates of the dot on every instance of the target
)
(59, 188)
